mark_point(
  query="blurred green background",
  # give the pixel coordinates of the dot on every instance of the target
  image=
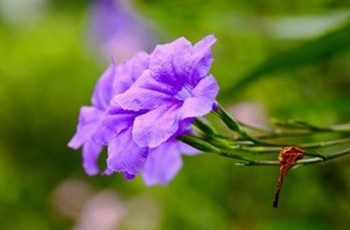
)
(294, 55)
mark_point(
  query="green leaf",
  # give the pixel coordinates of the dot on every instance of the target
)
(306, 54)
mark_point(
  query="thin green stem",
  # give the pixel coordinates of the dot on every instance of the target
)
(234, 125)
(234, 148)
(248, 146)
(253, 128)
(305, 126)
(325, 157)
(318, 159)
(324, 143)
(205, 127)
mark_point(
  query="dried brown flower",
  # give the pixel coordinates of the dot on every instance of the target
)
(288, 157)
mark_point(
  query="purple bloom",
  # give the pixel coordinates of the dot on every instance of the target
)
(175, 88)
(141, 106)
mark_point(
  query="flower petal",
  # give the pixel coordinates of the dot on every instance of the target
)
(88, 119)
(185, 126)
(91, 152)
(137, 65)
(171, 63)
(129, 71)
(162, 163)
(148, 81)
(207, 87)
(188, 150)
(113, 122)
(103, 92)
(202, 101)
(144, 94)
(124, 155)
(107, 172)
(157, 126)
(137, 99)
(128, 176)
(195, 107)
(202, 58)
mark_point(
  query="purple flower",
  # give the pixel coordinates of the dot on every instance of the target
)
(174, 89)
(141, 106)
(117, 30)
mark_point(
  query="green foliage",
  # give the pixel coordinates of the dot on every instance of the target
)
(308, 53)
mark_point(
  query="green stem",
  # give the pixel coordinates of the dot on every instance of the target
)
(234, 125)
(324, 143)
(205, 127)
(204, 146)
(305, 126)
(198, 143)
(275, 147)
(325, 157)
(312, 160)
(253, 128)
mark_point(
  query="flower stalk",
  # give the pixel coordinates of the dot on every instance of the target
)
(245, 146)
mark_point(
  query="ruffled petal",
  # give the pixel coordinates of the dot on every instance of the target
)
(137, 99)
(202, 58)
(129, 71)
(114, 121)
(148, 81)
(157, 126)
(145, 94)
(162, 164)
(171, 63)
(202, 101)
(124, 155)
(88, 119)
(103, 92)
(117, 79)
(91, 152)
(138, 64)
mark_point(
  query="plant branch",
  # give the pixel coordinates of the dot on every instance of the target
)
(318, 159)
